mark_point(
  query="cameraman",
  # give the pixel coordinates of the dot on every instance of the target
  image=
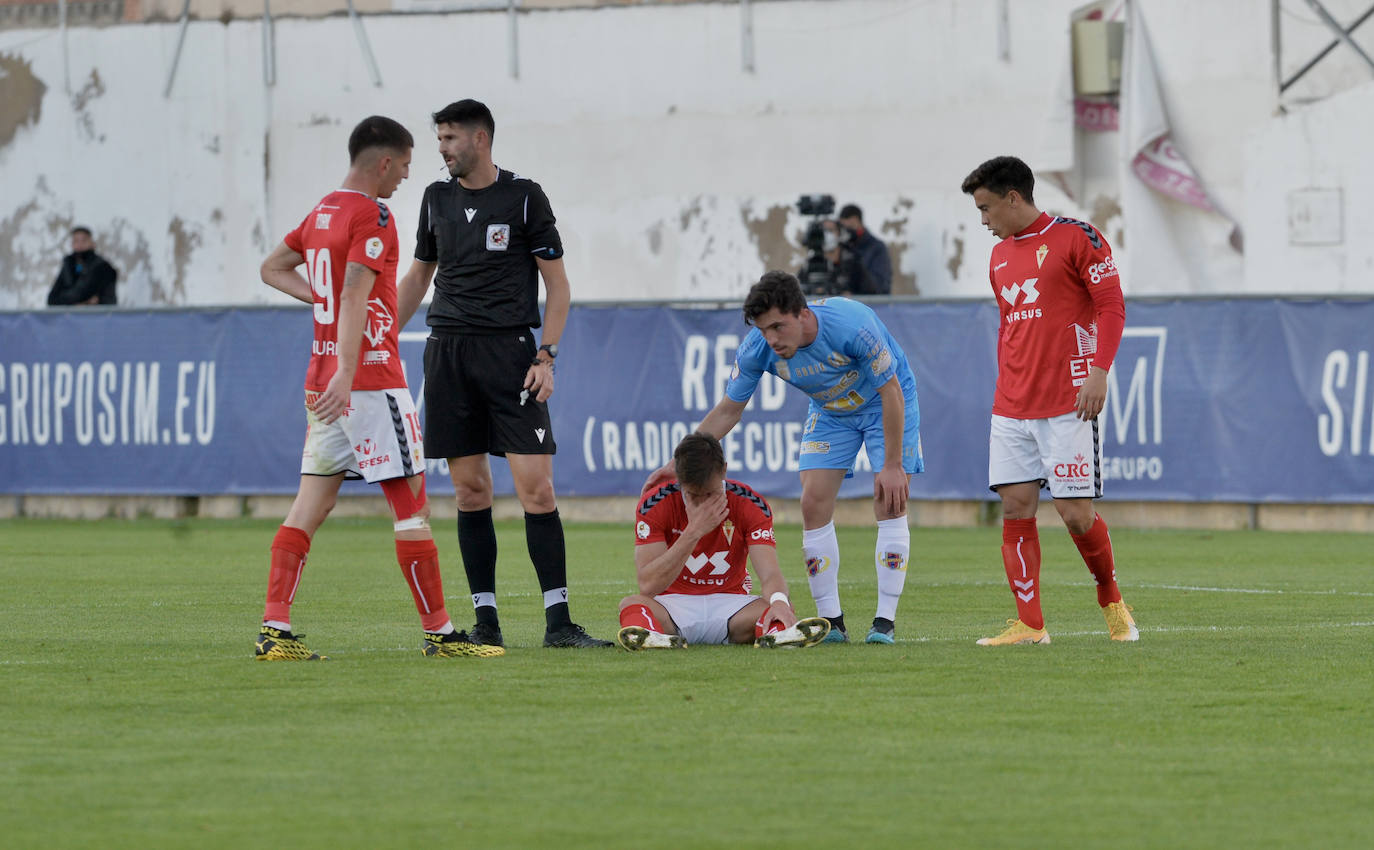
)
(831, 268)
(874, 264)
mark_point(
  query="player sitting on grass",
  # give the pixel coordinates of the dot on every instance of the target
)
(692, 537)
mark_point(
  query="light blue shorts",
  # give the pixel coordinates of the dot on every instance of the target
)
(832, 442)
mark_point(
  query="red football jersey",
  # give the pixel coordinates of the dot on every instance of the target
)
(349, 227)
(719, 563)
(1061, 313)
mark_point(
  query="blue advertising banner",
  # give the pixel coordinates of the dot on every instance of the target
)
(1210, 400)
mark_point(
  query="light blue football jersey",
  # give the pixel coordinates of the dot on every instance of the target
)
(841, 370)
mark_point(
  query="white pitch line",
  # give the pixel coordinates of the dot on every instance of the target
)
(1202, 589)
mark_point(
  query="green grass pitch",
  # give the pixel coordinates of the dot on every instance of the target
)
(133, 715)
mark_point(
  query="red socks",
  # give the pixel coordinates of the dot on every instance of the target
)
(760, 629)
(639, 615)
(1021, 559)
(419, 560)
(1096, 548)
(289, 549)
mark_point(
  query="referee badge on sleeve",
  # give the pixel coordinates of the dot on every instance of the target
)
(498, 237)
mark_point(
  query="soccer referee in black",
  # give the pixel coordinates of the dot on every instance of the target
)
(490, 236)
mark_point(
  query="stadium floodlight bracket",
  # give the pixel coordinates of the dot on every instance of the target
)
(1342, 34)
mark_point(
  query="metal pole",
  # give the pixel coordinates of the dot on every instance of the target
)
(746, 35)
(269, 46)
(365, 46)
(66, 54)
(1004, 31)
(1340, 31)
(514, 48)
(1276, 43)
(176, 55)
(1315, 59)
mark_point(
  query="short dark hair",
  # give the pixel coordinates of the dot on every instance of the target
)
(1000, 175)
(851, 211)
(81, 229)
(467, 113)
(378, 131)
(778, 289)
(698, 458)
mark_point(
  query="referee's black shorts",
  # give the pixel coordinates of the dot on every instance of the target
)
(472, 397)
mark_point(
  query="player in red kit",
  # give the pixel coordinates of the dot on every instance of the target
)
(360, 419)
(693, 537)
(1062, 315)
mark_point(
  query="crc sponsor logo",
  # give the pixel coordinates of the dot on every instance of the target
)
(894, 561)
(1023, 293)
(379, 322)
(377, 357)
(1079, 468)
(816, 566)
(1099, 272)
(642, 530)
(761, 534)
(815, 447)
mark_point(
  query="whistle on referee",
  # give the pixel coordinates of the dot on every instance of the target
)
(524, 397)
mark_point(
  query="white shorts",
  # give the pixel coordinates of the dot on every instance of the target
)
(377, 438)
(704, 618)
(1062, 452)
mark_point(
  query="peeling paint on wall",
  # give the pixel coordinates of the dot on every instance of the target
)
(770, 235)
(186, 238)
(956, 254)
(894, 232)
(93, 89)
(21, 96)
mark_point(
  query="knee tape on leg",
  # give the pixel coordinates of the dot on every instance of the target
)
(408, 507)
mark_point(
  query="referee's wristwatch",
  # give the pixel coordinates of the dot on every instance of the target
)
(551, 348)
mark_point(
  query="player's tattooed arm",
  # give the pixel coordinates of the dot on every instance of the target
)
(279, 272)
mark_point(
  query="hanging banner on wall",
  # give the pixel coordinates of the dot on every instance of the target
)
(1209, 400)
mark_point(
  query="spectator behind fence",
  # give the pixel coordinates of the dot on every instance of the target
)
(871, 251)
(86, 277)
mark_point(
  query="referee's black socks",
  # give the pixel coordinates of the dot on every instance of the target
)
(477, 543)
(544, 537)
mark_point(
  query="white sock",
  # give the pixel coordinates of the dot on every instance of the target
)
(822, 552)
(890, 558)
(484, 600)
(445, 629)
(278, 624)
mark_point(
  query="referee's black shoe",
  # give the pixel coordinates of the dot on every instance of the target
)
(486, 635)
(572, 636)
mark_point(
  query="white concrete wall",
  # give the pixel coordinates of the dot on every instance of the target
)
(673, 171)
(1324, 146)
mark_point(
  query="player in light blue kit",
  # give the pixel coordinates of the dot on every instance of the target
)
(862, 392)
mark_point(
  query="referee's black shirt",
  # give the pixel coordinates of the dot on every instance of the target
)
(485, 243)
